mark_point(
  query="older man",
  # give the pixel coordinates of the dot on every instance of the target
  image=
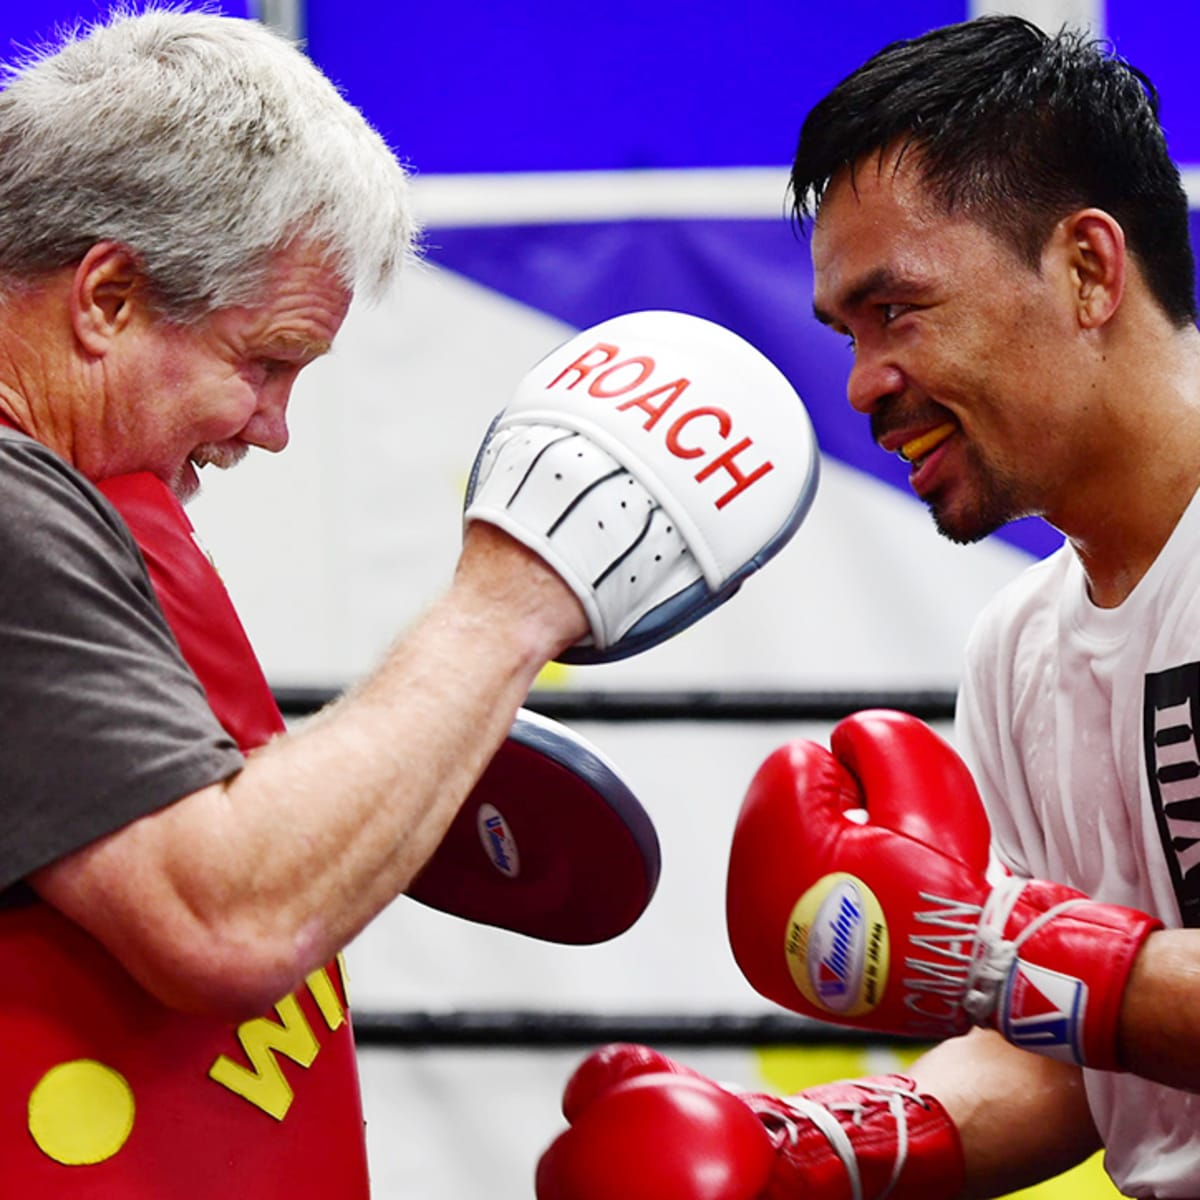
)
(187, 207)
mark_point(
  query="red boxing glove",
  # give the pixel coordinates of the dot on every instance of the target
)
(891, 924)
(646, 1128)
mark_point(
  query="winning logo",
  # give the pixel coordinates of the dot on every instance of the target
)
(1043, 1010)
(498, 841)
(837, 946)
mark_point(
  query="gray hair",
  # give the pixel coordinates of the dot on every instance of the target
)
(205, 145)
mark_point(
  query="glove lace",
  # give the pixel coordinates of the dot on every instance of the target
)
(995, 955)
(824, 1118)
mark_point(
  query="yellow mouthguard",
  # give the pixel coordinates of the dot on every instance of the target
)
(919, 446)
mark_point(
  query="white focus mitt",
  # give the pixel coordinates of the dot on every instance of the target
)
(654, 461)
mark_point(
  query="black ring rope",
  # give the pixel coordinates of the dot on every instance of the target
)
(731, 706)
(498, 1029)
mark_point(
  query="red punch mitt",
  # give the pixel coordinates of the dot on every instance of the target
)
(551, 843)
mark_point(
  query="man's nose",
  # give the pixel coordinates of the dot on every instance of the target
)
(872, 380)
(268, 427)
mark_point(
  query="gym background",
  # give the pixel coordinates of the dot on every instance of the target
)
(573, 162)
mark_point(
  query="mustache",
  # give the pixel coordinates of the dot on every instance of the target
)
(889, 418)
(221, 455)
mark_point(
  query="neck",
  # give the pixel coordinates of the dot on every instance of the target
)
(36, 356)
(1143, 470)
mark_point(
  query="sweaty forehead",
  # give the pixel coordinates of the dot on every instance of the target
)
(859, 238)
(881, 195)
(878, 230)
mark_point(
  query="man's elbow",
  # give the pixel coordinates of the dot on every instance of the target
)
(227, 974)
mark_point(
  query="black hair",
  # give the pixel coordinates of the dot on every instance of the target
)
(1016, 129)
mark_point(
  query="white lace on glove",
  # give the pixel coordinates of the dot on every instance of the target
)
(823, 1118)
(994, 956)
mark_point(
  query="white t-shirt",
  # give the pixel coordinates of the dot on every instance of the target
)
(1082, 726)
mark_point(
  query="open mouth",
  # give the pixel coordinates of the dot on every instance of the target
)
(917, 448)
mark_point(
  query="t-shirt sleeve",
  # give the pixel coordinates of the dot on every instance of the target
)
(102, 719)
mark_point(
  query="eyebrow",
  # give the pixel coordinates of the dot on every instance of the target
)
(877, 280)
(295, 346)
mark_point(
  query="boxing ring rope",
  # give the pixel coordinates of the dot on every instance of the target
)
(509, 1028)
(563, 705)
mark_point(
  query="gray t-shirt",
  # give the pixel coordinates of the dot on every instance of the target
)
(101, 720)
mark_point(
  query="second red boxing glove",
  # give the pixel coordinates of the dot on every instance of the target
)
(646, 1128)
(858, 894)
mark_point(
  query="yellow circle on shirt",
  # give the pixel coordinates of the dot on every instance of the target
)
(81, 1112)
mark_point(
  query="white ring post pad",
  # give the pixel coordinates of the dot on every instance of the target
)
(654, 461)
(551, 843)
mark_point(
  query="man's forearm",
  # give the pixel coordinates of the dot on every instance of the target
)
(1022, 1117)
(1159, 1035)
(227, 898)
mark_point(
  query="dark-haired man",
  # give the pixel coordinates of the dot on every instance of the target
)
(998, 229)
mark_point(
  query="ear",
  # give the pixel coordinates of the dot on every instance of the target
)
(1098, 260)
(106, 289)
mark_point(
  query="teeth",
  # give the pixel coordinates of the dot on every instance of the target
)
(920, 446)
